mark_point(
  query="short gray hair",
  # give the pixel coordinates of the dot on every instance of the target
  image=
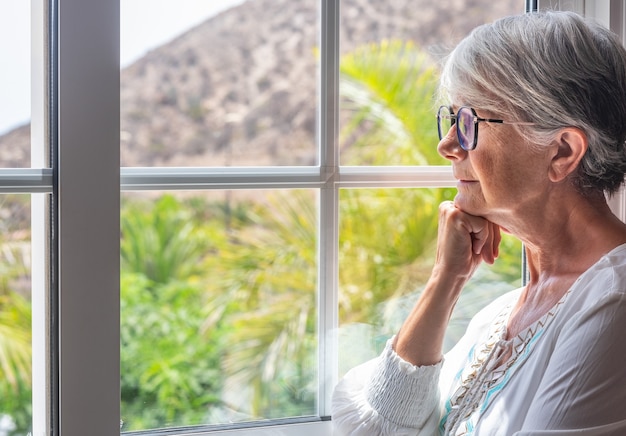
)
(554, 69)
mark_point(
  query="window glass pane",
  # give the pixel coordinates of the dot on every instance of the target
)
(219, 315)
(15, 84)
(387, 241)
(388, 74)
(224, 82)
(15, 316)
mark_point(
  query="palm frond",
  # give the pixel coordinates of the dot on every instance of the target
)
(388, 91)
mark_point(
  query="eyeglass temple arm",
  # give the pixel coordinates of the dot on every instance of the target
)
(490, 120)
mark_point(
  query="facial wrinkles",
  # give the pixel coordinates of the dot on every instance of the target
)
(526, 169)
(497, 167)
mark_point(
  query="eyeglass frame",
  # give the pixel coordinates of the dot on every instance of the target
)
(476, 120)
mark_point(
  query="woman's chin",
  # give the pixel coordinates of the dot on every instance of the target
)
(466, 205)
(469, 205)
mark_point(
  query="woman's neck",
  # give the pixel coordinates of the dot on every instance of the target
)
(573, 236)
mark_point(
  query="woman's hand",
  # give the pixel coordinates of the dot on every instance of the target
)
(464, 240)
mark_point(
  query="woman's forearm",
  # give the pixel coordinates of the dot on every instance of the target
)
(420, 339)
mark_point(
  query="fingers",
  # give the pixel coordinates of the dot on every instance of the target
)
(483, 236)
(496, 240)
(490, 249)
(480, 233)
(486, 239)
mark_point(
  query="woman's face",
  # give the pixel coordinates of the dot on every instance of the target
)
(502, 177)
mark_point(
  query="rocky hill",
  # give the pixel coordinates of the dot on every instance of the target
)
(240, 89)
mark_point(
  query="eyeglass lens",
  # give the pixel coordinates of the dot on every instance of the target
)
(465, 128)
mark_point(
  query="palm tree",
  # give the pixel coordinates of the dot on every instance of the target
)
(262, 286)
(388, 100)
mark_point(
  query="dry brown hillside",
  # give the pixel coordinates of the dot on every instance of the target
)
(239, 89)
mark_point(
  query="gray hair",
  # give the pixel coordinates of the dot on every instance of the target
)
(554, 69)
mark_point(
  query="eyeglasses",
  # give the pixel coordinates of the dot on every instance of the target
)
(466, 122)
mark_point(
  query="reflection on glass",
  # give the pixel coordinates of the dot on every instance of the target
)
(15, 316)
(218, 307)
(15, 84)
(387, 240)
(389, 72)
(237, 88)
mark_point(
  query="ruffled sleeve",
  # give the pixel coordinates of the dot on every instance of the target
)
(387, 396)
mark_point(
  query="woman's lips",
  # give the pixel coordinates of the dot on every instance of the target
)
(464, 182)
(462, 179)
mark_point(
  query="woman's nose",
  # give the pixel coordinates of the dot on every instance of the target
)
(449, 146)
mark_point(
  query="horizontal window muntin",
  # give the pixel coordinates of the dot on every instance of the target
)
(278, 177)
(40, 180)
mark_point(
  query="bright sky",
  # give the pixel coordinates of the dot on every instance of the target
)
(15, 55)
(145, 24)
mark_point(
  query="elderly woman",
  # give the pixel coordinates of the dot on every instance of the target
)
(535, 131)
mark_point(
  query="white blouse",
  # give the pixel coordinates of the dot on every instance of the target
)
(566, 374)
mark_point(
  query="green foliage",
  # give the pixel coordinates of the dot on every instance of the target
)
(170, 370)
(263, 287)
(386, 243)
(15, 314)
(170, 373)
(170, 357)
(159, 241)
(15, 339)
(15, 361)
(387, 91)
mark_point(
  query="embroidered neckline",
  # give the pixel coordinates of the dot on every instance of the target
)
(487, 375)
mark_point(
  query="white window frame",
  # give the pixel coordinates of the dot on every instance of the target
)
(76, 373)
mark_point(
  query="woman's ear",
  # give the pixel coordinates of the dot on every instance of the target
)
(570, 147)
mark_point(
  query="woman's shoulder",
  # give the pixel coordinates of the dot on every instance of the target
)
(607, 275)
(603, 285)
(615, 260)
